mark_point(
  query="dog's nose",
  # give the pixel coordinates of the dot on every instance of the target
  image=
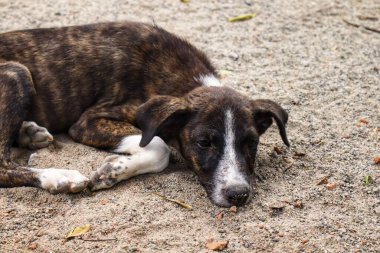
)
(237, 196)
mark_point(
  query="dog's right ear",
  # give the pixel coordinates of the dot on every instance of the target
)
(162, 116)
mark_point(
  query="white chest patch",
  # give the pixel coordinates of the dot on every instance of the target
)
(209, 80)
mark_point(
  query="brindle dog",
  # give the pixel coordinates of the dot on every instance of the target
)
(129, 88)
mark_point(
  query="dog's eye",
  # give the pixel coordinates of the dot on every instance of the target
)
(205, 143)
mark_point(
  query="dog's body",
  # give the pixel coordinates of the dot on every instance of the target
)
(116, 86)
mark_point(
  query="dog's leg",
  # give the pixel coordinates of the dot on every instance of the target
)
(122, 138)
(16, 94)
(33, 136)
(53, 180)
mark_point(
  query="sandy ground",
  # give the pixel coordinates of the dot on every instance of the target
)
(299, 53)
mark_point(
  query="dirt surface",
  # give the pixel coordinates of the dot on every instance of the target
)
(301, 54)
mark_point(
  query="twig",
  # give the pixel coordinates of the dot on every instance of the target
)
(358, 26)
(184, 205)
(99, 240)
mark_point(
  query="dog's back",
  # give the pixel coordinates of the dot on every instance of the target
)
(75, 68)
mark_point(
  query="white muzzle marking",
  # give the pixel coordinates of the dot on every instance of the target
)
(227, 174)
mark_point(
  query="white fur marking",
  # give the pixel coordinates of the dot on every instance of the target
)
(227, 173)
(209, 80)
(60, 180)
(150, 159)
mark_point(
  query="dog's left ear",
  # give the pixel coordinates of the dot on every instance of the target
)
(162, 116)
(264, 111)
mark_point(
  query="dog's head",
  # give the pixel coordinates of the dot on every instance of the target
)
(218, 130)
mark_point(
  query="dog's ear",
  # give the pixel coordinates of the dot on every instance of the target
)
(162, 116)
(264, 111)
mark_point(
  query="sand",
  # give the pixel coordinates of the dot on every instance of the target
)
(301, 54)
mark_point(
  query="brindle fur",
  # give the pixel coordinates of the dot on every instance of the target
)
(93, 81)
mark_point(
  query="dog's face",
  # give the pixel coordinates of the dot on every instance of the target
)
(218, 130)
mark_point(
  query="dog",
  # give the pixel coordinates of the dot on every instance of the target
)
(133, 89)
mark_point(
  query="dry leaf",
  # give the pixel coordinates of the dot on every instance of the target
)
(185, 1)
(376, 160)
(277, 150)
(323, 180)
(219, 216)
(304, 241)
(298, 204)
(211, 244)
(78, 231)
(233, 209)
(331, 186)
(364, 121)
(368, 180)
(184, 205)
(242, 17)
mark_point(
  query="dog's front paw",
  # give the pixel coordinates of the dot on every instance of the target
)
(61, 181)
(33, 136)
(110, 173)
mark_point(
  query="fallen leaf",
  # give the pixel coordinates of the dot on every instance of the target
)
(233, 209)
(331, 186)
(242, 17)
(219, 216)
(184, 205)
(376, 160)
(323, 180)
(364, 121)
(298, 204)
(78, 231)
(305, 241)
(277, 150)
(368, 180)
(185, 1)
(213, 245)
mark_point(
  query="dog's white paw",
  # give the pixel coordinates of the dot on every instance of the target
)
(111, 172)
(61, 181)
(33, 136)
(150, 159)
